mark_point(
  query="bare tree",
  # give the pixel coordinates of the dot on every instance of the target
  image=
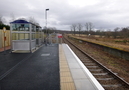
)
(1, 19)
(108, 33)
(79, 26)
(89, 27)
(52, 29)
(74, 26)
(115, 33)
(71, 29)
(32, 20)
(125, 32)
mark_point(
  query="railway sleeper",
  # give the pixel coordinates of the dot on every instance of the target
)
(99, 74)
(105, 79)
(96, 69)
(86, 62)
(90, 64)
(109, 82)
(85, 58)
(116, 85)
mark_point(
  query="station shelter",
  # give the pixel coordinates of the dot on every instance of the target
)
(25, 36)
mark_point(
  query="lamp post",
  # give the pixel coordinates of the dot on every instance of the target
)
(46, 23)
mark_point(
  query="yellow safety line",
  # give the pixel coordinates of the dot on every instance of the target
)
(66, 80)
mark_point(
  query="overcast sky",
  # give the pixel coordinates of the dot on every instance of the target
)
(104, 14)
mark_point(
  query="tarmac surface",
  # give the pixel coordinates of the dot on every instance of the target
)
(35, 71)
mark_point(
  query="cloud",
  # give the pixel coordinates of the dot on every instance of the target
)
(62, 13)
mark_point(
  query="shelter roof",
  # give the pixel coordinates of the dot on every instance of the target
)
(20, 21)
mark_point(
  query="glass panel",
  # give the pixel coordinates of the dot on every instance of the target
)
(20, 27)
(37, 29)
(20, 36)
(33, 36)
(26, 27)
(40, 34)
(33, 28)
(14, 36)
(13, 27)
(37, 36)
(27, 37)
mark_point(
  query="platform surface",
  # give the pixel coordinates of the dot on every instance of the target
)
(52, 67)
(38, 71)
(81, 77)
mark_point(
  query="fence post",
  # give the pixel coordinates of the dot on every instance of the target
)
(4, 30)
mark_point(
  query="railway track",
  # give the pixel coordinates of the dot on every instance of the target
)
(108, 79)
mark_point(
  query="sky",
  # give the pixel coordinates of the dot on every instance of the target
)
(103, 14)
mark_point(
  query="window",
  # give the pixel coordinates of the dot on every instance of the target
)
(20, 27)
(20, 36)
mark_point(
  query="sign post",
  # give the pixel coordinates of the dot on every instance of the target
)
(4, 30)
(60, 36)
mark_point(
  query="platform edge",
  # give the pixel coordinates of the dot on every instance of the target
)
(95, 82)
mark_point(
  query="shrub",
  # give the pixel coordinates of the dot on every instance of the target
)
(6, 26)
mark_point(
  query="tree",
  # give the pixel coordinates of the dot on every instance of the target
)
(89, 27)
(74, 26)
(32, 20)
(6, 26)
(125, 32)
(71, 29)
(108, 33)
(79, 26)
(50, 30)
(115, 33)
(1, 19)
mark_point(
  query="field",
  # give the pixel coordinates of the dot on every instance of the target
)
(120, 44)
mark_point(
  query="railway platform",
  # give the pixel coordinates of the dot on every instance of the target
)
(51, 67)
(73, 73)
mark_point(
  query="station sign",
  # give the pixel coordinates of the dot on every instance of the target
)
(59, 35)
(4, 29)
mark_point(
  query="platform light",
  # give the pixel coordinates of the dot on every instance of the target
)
(46, 23)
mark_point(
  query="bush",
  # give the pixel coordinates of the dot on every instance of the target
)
(6, 26)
